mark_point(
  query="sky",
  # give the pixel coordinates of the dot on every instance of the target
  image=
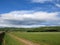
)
(29, 13)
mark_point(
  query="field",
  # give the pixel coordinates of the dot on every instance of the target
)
(11, 41)
(42, 38)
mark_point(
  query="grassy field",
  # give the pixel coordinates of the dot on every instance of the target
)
(11, 41)
(43, 38)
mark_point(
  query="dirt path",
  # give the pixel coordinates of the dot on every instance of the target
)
(26, 42)
(3, 42)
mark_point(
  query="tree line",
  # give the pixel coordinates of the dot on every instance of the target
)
(39, 29)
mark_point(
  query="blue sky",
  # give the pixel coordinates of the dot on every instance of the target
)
(29, 13)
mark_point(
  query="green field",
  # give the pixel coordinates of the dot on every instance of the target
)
(43, 38)
(11, 41)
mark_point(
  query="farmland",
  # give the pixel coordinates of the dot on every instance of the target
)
(11, 41)
(42, 38)
(31, 36)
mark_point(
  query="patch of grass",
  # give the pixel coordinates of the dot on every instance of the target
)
(44, 38)
(11, 41)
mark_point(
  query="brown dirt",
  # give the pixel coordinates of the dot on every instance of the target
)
(26, 42)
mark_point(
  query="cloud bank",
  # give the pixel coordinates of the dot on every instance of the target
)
(29, 19)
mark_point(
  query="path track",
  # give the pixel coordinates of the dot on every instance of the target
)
(3, 42)
(26, 42)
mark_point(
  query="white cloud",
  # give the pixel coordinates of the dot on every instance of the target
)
(58, 5)
(35, 15)
(41, 1)
(27, 16)
(56, 2)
